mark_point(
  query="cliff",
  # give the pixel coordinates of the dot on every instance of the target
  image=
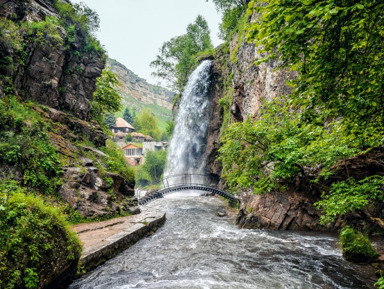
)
(50, 62)
(138, 94)
(239, 88)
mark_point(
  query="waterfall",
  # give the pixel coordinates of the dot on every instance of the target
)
(188, 144)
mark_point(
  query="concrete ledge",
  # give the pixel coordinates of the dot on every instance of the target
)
(104, 240)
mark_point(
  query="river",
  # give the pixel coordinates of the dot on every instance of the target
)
(197, 249)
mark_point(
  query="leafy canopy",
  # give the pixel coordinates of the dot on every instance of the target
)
(147, 124)
(336, 48)
(106, 98)
(177, 58)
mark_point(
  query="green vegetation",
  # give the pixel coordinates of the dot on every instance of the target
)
(356, 247)
(33, 236)
(169, 129)
(333, 113)
(106, 98)
(25, 147)
(129, 116)
(80, 23)
(162, 114)
(177, 57)
(151, 172)
(146, 123)
(232, 11)
(110, 120)
(116, 162)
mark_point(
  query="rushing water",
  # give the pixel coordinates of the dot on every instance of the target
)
(197, 249)
(187, 147)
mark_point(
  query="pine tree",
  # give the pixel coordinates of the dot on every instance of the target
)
(110, 120)
(127, 115)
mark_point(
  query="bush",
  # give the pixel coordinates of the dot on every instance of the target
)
(36, 243)
(356, 247)
(116, 162)
(25, 146)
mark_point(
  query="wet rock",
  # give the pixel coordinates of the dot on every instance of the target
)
(221, 213)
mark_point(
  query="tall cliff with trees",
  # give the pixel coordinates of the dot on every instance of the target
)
(55, 163)
(296, 125)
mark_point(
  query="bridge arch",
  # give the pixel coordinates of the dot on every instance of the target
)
(188, 182)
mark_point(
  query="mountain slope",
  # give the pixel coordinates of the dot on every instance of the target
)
(138, 94)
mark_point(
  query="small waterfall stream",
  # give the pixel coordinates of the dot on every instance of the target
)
(187, 146)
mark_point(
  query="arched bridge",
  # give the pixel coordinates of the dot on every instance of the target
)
(187, 182)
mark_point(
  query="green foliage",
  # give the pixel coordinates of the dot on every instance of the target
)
(278, 147)
(356, 247)
(81, 23)
(169, 129)
(152, 170)
(116, 162)
(106, 98)
(380, 283)
(128, 116)
(25, 145)
(34, 238)
(351, 195)
(336, 48)
(10, 44)
(177, 57)
(147, 124)
(44, 32)
(110, 120)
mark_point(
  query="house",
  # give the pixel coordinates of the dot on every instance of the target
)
(133, 154)
(122, 126)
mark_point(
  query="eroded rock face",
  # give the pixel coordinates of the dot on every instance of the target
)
(60, 75)
(279, 211)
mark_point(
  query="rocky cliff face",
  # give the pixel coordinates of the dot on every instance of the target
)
(58, 72)
(248, 85)
(139, 89)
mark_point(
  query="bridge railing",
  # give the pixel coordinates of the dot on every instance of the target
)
(189, 179)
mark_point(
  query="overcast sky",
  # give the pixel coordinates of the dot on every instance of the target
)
(132, 31)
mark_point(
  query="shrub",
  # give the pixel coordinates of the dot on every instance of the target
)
(25, 145)
(36, 243)
(116, 162)
(356, 247)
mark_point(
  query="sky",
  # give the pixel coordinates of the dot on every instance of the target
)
(132, 31)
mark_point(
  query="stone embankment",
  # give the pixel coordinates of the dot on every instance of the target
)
(104, 240)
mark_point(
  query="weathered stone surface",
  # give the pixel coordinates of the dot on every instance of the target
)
(279, 211)
(104, 240)
(86, 191)
(53, 74)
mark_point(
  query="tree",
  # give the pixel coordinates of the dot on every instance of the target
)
(127, 115)
(146, 123)
(177, 57)
(106, 98)
(155, 164)
(231, 10)
(110, 120)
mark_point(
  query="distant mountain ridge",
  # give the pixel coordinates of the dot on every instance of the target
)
(136, 90)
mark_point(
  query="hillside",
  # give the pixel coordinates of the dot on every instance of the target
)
(138, 94)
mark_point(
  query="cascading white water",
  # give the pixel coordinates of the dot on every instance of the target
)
(188, 144)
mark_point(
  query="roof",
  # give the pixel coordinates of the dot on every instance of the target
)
(122, 123)
(149, 138)
(137, 134)
(131, 146)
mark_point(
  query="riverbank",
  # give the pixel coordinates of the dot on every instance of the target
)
(104, 240)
